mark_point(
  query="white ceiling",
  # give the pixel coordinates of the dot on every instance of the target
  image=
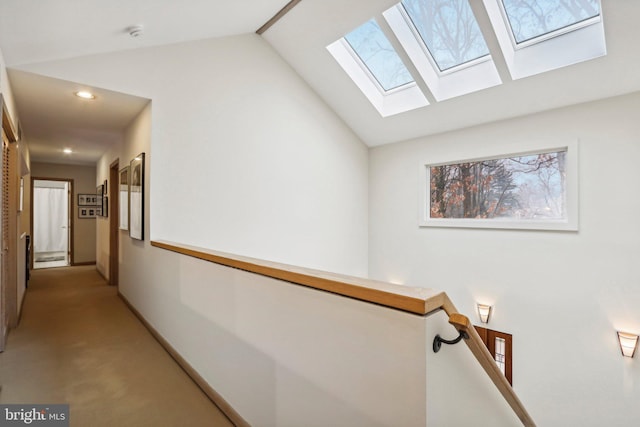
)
(34, 31)
(54, 118)
(302, 35)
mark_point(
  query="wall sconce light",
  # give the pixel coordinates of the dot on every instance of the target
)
(628, 343)
(484, 311)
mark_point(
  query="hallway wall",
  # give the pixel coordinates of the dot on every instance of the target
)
(562, 295)
(5, 90)
(84, 182)
(246, 158)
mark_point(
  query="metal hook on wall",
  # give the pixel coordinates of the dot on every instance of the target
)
(438, 340)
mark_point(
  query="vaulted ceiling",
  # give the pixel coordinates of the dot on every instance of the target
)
(34, 31)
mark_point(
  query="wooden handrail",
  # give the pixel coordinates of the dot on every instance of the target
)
(481, 353)
(420, 301)
(413, 300)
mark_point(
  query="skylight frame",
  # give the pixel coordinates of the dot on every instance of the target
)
(398, 100)
(558, 49)
(365, 68)
(463, 79)
(548, 35)
(365, 65)
(442, 72)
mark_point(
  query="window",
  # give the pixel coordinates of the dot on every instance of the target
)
(537, 36)
(368, 57)
(500, 345)
(536, 19)
(444, 42)
(446, 45)
(529, 190)
(448, 30)
(376, 53)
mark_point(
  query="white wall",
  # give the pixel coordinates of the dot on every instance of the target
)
(136, 139)
(246, 158)
(5, 90)
(459, 392)
(561, 294)
(286, 355)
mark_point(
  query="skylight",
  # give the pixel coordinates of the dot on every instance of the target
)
(531, 19)
(376, 53)
(448, 29)
(449, 55)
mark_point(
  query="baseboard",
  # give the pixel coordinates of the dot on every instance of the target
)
(84, 263)
(213, 395)
(102, 275)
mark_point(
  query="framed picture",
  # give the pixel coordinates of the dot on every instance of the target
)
(136, 198)
(99, 200)
(21, 204)
(123, 194)
(105, 207)
(104, 187)
(85, 212)
(86, 199)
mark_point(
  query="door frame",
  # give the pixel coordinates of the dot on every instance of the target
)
(114, 223)
(70, 207)
(9, 248)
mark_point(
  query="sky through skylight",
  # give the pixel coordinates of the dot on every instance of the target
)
(449, 30)
(533, 18)
(374, 49)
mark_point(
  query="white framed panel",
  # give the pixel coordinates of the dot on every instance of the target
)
(569, 222)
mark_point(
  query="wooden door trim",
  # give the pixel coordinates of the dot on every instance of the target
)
(72, 209)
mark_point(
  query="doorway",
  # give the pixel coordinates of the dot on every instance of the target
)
(51, 223)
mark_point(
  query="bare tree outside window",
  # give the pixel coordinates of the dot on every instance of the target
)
(529, 187)
(533, 18)
(375, 51)
(449, 30)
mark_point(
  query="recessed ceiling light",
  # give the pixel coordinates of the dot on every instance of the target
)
(67, 151)
(85, 94)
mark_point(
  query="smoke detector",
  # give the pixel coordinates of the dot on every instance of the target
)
(136, 31)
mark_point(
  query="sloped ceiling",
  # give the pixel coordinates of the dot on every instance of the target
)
(302, 35)
(34, 31)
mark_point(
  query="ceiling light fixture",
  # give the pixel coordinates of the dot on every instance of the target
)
(85, 94)
(67, 151)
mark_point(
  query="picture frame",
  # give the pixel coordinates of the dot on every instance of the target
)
(105, 207)
(87, 200)
(99, 200)
(104, 187)
(86, 212)
(136, 197)
(123, 195)
(21, 203)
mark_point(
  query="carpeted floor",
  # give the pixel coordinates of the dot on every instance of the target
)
(78, 343)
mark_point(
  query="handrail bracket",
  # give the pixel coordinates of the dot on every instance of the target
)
(438, 341)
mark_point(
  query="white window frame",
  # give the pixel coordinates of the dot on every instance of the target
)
(398, 100)
(472, 76)
(570, 223)
(566, 46)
